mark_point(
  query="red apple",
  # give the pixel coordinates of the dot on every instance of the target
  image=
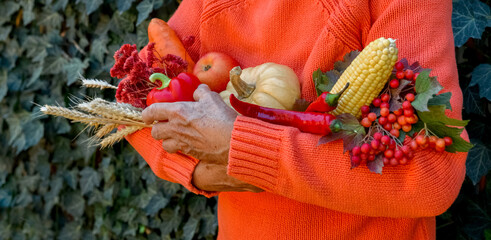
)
(213, 70)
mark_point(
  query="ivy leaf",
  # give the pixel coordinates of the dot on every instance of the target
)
(74, 68)
(478, 161)
(441, 99)
(376, 165)
(27, 13)
(472, 101)
(98, 48)
(89, 179)
(190, 228)
(4, 32)
(124, 5)
(352, 132)
(322, 82)
(437, 114)
(3, 84)
(171, 220)
(144, 9)
(92, 5)
(482, 76)
(5, 199)
(71, 231)
(60, 5)
(469, 20)
(54, 65)
(196, 205)
(50, 19)
(74, 204)
(156, 203)
(7, 8)
(425, 87)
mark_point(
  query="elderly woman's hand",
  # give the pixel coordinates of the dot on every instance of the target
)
(203, 130)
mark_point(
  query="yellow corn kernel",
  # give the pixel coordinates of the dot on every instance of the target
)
(367, 75)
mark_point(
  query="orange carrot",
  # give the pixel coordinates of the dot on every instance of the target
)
(167, 42)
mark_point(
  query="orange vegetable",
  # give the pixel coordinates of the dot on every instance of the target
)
(167, 42)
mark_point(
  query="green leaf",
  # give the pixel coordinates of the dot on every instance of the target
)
(3, 83)
(74, 69)
(473, 102)
(144, 9)
(36, 48)
(4, 32)
(171, 220)
(482, 76)
(376, 165)
(352, 132)
(7, 8)
(50, 19)
(27, 13)
(124, 5)
(54, 65)
(478, 161)
(322, 82)
(425, 87)
(98, 48)
(74, 204)
(60, 5)
(441, 99)
(71, 231)
(89, 179)
(156, 203)
(469, 20)
(436, 113)
(5, 199)
(441, 130)
(196, 205)
(190, 228)
(92, 5)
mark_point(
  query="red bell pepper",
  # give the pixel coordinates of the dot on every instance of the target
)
(180, 88)
(309, 122)
(326, 102)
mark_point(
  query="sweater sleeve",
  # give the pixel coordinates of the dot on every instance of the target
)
(285, 161)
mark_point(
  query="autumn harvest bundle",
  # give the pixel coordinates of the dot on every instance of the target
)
(383, 108)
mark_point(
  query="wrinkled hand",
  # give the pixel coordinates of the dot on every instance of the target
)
(203, 130)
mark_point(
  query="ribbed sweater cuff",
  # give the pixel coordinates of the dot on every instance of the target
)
(176, 168)
(255, 152)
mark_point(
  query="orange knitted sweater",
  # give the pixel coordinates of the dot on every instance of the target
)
(310, 190)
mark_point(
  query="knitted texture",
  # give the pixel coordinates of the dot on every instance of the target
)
(310, 190)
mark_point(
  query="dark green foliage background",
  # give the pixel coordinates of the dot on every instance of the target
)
(52, 186)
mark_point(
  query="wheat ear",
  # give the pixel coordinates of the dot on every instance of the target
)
(104, 130)
(118, 136)
(96, 83)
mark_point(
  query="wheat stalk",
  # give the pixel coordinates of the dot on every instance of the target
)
(116, 109)
(104, 130)
(96, 83)
(118, 136)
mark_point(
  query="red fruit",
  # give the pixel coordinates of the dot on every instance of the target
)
(385, 140)
(365, 122)
(439, 149)
(406, 105)
(400, 75)
(386, 161)
(375, 144)
(408, 112)
(392, 118)
(440, 143)
(413, 145)
(405, 149)
(355, 160)
(372, 116)
(406, 128)
(398, 154)
(371, 157)
(415, 76)
(396, 125)
(432, 141)
(385, 105)
(410, 97)
(409, 74)
(384, 112)
(213, 70)
(364, 156)
(365, 148)
(411, 120)
(395, 133)
(385, 97)
(377, 135)
(401, 120)
(376, 102)
(410, 155)
(421, 140)
(392, 144)
(403, 161)
(382, 121)
(398, 112)
(381, 148)
(394, 162)
(388, 126)
(356, 151)
(389, 153)
(448, 141)
(399, 66)
(365, 109)
(394, 83)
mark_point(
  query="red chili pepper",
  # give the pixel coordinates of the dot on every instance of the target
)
(326, 102)
(180, 88)
(309, 122)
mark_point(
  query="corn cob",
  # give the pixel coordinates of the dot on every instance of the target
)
(367, 75)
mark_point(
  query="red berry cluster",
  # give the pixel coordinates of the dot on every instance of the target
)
(385, 128)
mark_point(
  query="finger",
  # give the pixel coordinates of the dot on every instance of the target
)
(202, 91)
(162, 130)
(162, 111)
(172, 145)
